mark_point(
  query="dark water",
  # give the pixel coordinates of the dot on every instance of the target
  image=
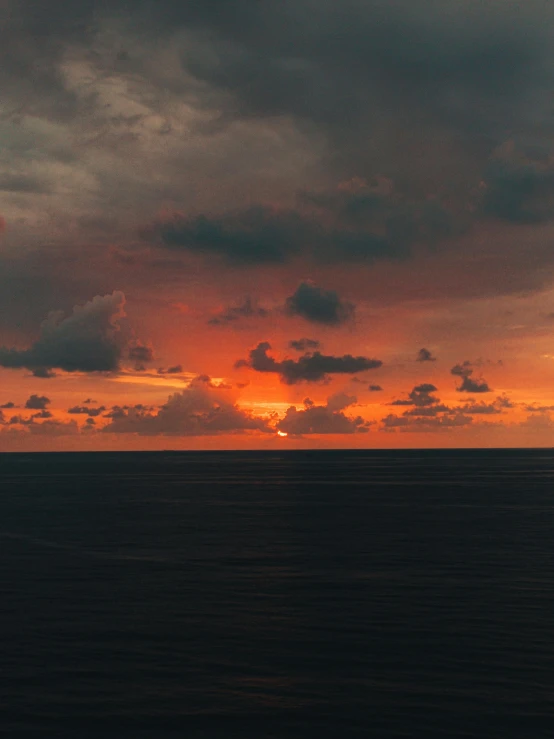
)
(324, 594)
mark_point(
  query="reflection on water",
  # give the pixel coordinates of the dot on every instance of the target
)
(382, 594)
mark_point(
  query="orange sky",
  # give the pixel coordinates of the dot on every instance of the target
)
(181, 188)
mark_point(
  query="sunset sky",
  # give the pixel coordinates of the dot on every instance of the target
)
(276, 224)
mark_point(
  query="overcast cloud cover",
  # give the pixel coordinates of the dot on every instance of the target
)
(277, 194)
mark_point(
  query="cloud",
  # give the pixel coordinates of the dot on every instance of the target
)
(427, 413)
(519, 192)
(423, 423)
(421, 396)
(198, 410)
(77, 410)
(256, 235)
(309, 367)
(37, 402)
(375, 388)
(140, 352)
(424, 355)
(303, 345)
(531, 408)
(319, 306)
(9, 404)
(323, 419)
(89, 340)
(174, 370)
(42, 414)
(21, 428)
(247, 309)
(469, 384)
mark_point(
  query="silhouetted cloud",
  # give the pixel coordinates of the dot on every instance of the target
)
(198, 410)
(309, 367)
(88, 340)
(174, 370)
(303, 345)
(138, 352)
(375, 388)
(318, 305)
(9, 404)
(420, 396)
(323, 419)
(77, 410)
(424, 355)
(423, 423)
(37, 402)
(247, 309)
(469, 384)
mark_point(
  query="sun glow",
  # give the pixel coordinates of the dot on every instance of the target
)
(281, 433)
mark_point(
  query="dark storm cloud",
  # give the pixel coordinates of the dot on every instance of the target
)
(256, 235)
(89, 340)
(468, 68)
(199, 410)
(469, 383)
(318, 305)
(21, 184)
(521, 193)
(334, 65)
(323, 419)
(247, 309)
(303, 345)
(424, 355)
(37, 402)
(261, 235)
(308, 368)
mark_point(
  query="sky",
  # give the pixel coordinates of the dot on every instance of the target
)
(276, 224)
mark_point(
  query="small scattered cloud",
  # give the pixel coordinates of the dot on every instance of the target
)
(424, 355)
(421, 396)
(424, 423)
(318, 305)
(469, 383)
(37, 402)
(304, 345)
(141, 353)
(9, 404)
(80, 410)
(247, 309)
(176, 369)
(375, 389)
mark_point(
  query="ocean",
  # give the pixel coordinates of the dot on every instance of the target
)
(296, 594)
